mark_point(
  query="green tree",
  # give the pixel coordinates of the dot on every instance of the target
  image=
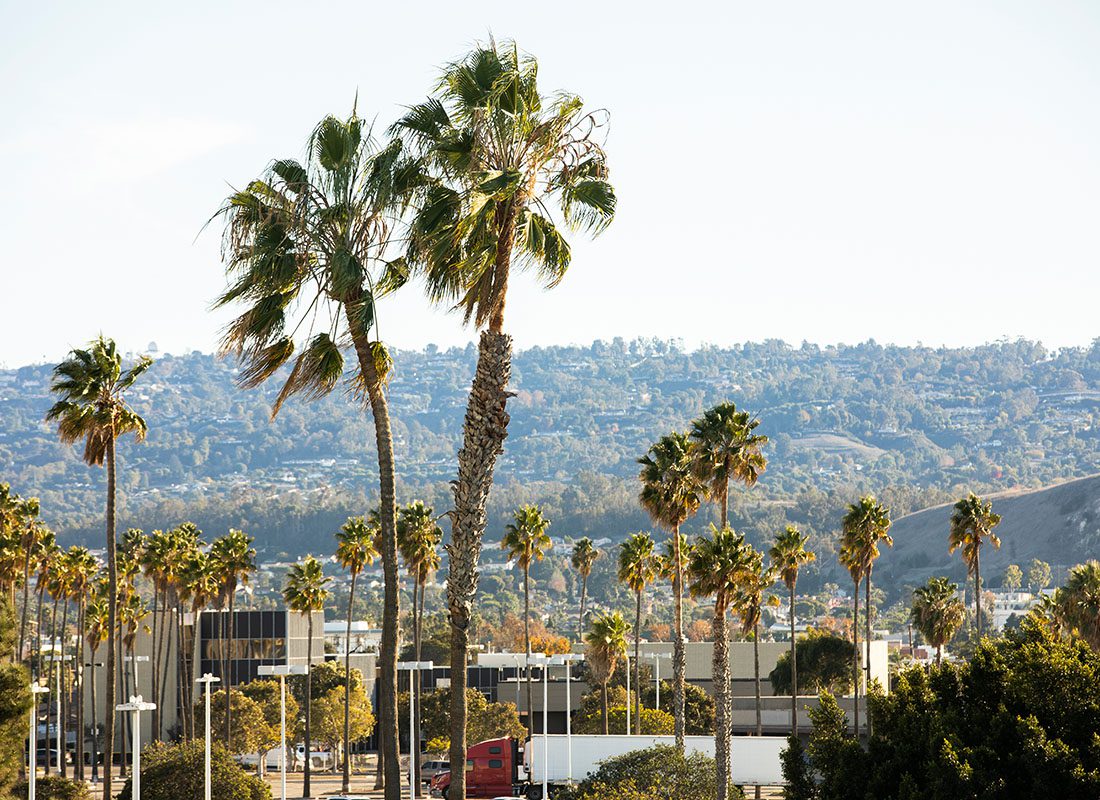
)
(233, 560)
(305, 594)
(1038, 575)
(938, 613)
(1077, 604)
(637, 569)
(717, 569)
(267, 695)
(698, 706)
(726, 449)
(788, 556)
(355, 549)
(328, 719)
(671, 493)
(651, 774)
(92, 387)
(526, 541)
(176, 772)
(487, 720)
(972, 523)
(497, 154)
(251, 731)
(825, 665)
(584, 557)
(654, 722)
(303, 239)
(1014, 577)
(605, 644)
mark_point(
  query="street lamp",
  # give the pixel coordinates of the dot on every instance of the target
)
(59, 720)
(541, 660)
(134, 661)
(568, 659)
(95, 728)
(36, 689)
(657, 658)
(281, 671)
(206, 680)
(414, 735)
(136, 705)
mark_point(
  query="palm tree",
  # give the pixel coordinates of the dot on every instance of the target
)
(585, 555)
(305, 594)
(937, 612)
(788, 555)
(29, 533)
(605, 644)
(233, 561)
(495, 155)
(47, 564)
(95, 635)
(726, 449)
(849, 558)
(717, 569)
(637, 569)
(972, 522)
(1077, 604)
(354, 551)
(302, 242)
(157, 563)
(526, 541)
(199, 587)
(92, 386)
(748, 600)
(865, 525)
(671, 492)
(82, 567)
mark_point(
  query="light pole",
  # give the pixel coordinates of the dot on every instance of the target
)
(59, 724)
(626, 656)
(568, 659)
(32, 777)
(206, 680)
(281, 671)
(541, 660)
(134, 661)
(656, 658)
(413, 668)
(95, 727)
(136, 705)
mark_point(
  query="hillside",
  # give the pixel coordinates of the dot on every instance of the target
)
(1059, 524)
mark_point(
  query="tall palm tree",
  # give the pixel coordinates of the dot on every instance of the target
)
(788, 555)
(749, 600)
(157, 564)
(354, 552)
(605, 644)
(305, 594)
(92, 386)
(637, 569)
(972, 523)
(717, 569)
(865, 525)
(303, 244)
(1077, 604)
(726, 449)
(186, 539)
(29, 533)
(131, 555)
(199, 587)
(82, 567)
(585, 554)
(496, 156)
(671, 493)
(234, 560)
(849, 558)
(526, 541)
(937, 612)
(47, 564)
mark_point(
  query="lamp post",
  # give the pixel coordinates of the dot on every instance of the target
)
(568, 659)
(541, 660)
(281, 671)
(656, 658)
(134, 661)
(95, 728)
(206, 680)
(413, 668)
(136, 705)
(32, 776)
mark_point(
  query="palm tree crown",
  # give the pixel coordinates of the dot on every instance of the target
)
(525, 538)
(726, 449)
(972, 523)
(937, 612)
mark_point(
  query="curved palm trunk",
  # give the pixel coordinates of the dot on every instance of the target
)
(484, 431)
(855, 659)
(637, 668)
(346, 782)
(391, 605)
(112, 622)
(722, 711)
(527, 646)
(679, 658)
(309, 708)
(794, 673)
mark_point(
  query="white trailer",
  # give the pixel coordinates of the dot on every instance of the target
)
(753, 759)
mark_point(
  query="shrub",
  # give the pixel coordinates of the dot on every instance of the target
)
(657, 773)
(52, 787)
(175, 772)
(655, 722)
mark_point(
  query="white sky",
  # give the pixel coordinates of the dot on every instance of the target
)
(831, 171)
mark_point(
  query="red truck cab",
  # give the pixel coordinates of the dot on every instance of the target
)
(492, 769)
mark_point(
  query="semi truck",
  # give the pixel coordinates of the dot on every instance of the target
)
(502, 767)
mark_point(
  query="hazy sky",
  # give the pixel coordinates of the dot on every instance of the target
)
(832, 171)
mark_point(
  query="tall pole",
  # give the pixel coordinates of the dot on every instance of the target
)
(95, 730)
(657, 668)
(206, 680)
(568, 723)
(136, 706)
(545, 731)
(628, 703)
(282, 734)
(412, 723)
(32, 777)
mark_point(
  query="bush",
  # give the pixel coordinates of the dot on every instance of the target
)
(52, 787)
(655, 722)
(657, 773)
(175, 772)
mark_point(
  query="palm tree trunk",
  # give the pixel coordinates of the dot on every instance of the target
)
(154, 662)
(484, 431)
(63, 700)
(124, 691)
(391, 605)
(721, 668)
(49, 676)
(679, 657)
(603, 699)
(346, 781)
(580, 619)
(939, 654)
(40, 590)
(95, 723)
(794, 673)
(855, 661)
(756, 676)
(637, 668)
(527, 646)
(196, 612)
(977, 595)
(26, 601)
(112, 621)
(867, 645)
(79, 768)
(168, 626)
(229, 680)
(309, 703)
(418, 622)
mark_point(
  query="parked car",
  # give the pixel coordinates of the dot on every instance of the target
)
(429, 769)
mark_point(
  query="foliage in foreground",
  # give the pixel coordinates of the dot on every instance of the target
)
(15, 703)
(52, 787)
(175, 772)
(657, 773)
(1021, 719)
